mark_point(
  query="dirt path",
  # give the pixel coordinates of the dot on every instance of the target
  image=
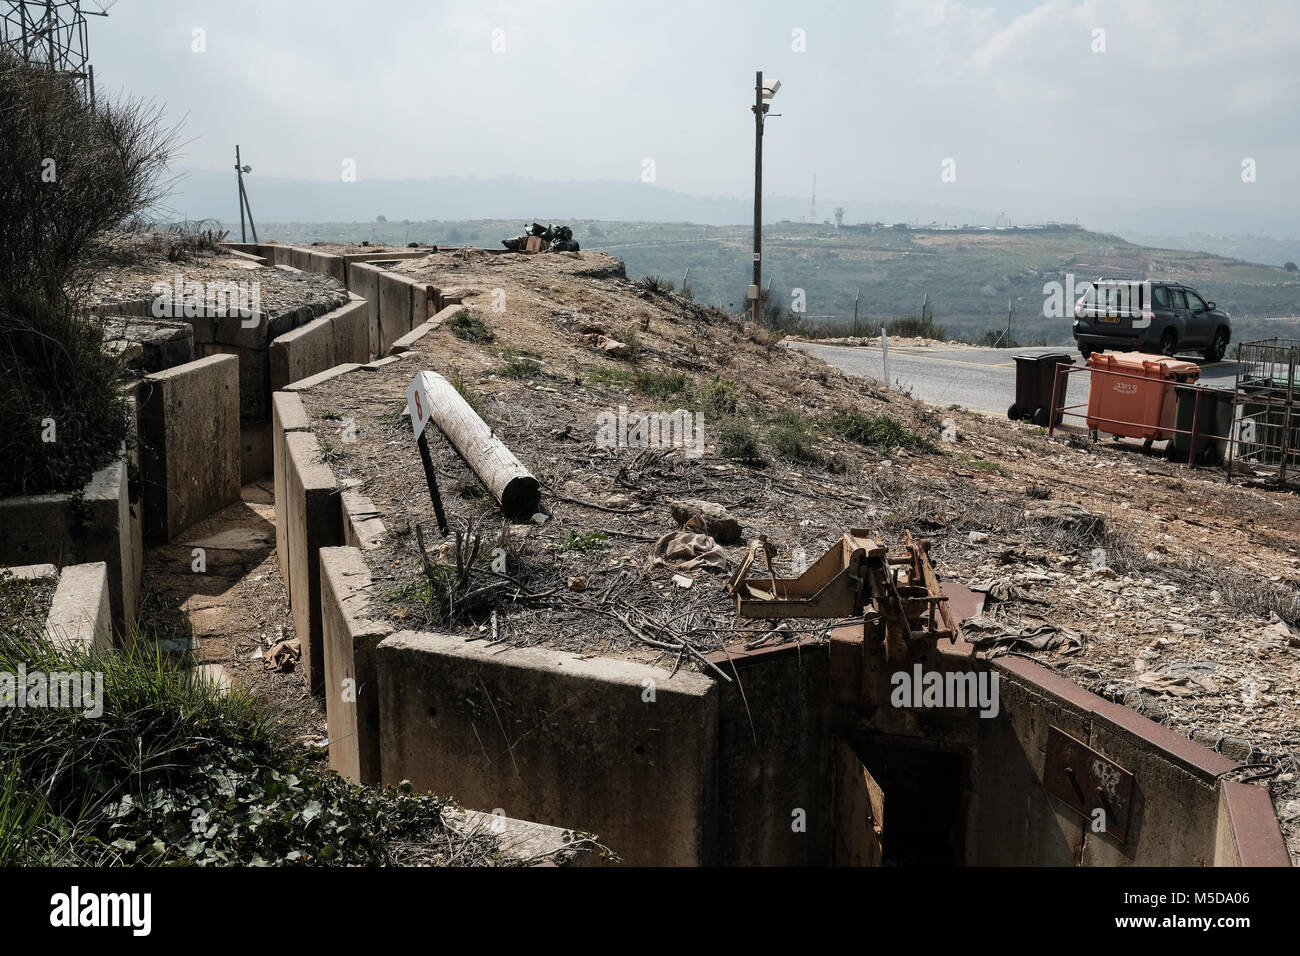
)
(216, 594)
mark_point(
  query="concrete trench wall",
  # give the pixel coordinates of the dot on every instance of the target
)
(80, 617)
(333, 339)
(1183, 813)
(312, 521)
(104, 527)
(349, 639)
(395, 304)
(189, 443)
(313, 511)
(553, 737)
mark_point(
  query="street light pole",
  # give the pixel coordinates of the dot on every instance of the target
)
(759, 109)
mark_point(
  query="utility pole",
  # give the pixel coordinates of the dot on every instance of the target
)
(857, 294)
(243, 198)
(759, 109)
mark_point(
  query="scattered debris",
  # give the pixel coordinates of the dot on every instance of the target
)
(687, 551)
(539, 238)
(283, 655)
(998, 637)
(706, 517)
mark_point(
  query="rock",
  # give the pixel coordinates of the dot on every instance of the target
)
(576, 584)
(1236, 748)
(949, 430)
(718, 524)
(1068, 515)
(682, 581)
(976, 537)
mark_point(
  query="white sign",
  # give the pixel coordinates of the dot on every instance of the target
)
(417, 403)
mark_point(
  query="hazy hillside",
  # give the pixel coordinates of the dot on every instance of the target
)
(968, 275)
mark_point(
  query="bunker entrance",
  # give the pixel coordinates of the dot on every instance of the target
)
(899, 804)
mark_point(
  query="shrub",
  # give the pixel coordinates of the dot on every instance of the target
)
(790, 436)
(655, 285)
(737, 440)
(469, 326)
(914, 326)
(660, 384)
(520, 367)
(472, 398)
(877, 430)
(56, 382)
(175, 773)
(69, 173)
(718, 398)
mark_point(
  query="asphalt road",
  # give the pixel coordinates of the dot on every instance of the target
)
(979, 379)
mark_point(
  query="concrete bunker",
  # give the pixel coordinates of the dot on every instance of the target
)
(772, 755)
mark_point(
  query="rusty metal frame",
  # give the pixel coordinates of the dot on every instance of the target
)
(899, 595)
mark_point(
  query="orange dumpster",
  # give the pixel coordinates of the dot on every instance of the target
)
(1132, 393)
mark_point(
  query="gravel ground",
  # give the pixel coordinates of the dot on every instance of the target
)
(128, 265)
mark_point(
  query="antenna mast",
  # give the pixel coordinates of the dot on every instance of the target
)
(50, 33)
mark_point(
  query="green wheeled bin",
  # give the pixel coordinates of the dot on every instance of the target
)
(1213, 425)
(1035, 378)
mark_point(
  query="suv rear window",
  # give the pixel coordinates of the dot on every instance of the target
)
(1161, 296)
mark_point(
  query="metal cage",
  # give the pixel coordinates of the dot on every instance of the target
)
(1266, 423)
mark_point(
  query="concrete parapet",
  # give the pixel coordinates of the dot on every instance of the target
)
(80, 618)
(610, 746)
(99, 526)
(349, 642)
(190, 443)
(312, 521)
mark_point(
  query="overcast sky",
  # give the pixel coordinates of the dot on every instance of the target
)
(1037, 121)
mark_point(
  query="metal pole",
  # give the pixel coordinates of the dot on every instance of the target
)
(1286, 415)
(758, 194)
(1056, 388)
(884, 352)
(431, 479)
(239, 177)
(249, 206)
(1196, 421)
(857, 294)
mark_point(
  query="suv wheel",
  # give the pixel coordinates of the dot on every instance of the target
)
(1169, 342)
(1220, 345)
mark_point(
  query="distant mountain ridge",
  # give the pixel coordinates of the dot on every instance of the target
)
(204, 194)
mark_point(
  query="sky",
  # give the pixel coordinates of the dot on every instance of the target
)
(1047, 110)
